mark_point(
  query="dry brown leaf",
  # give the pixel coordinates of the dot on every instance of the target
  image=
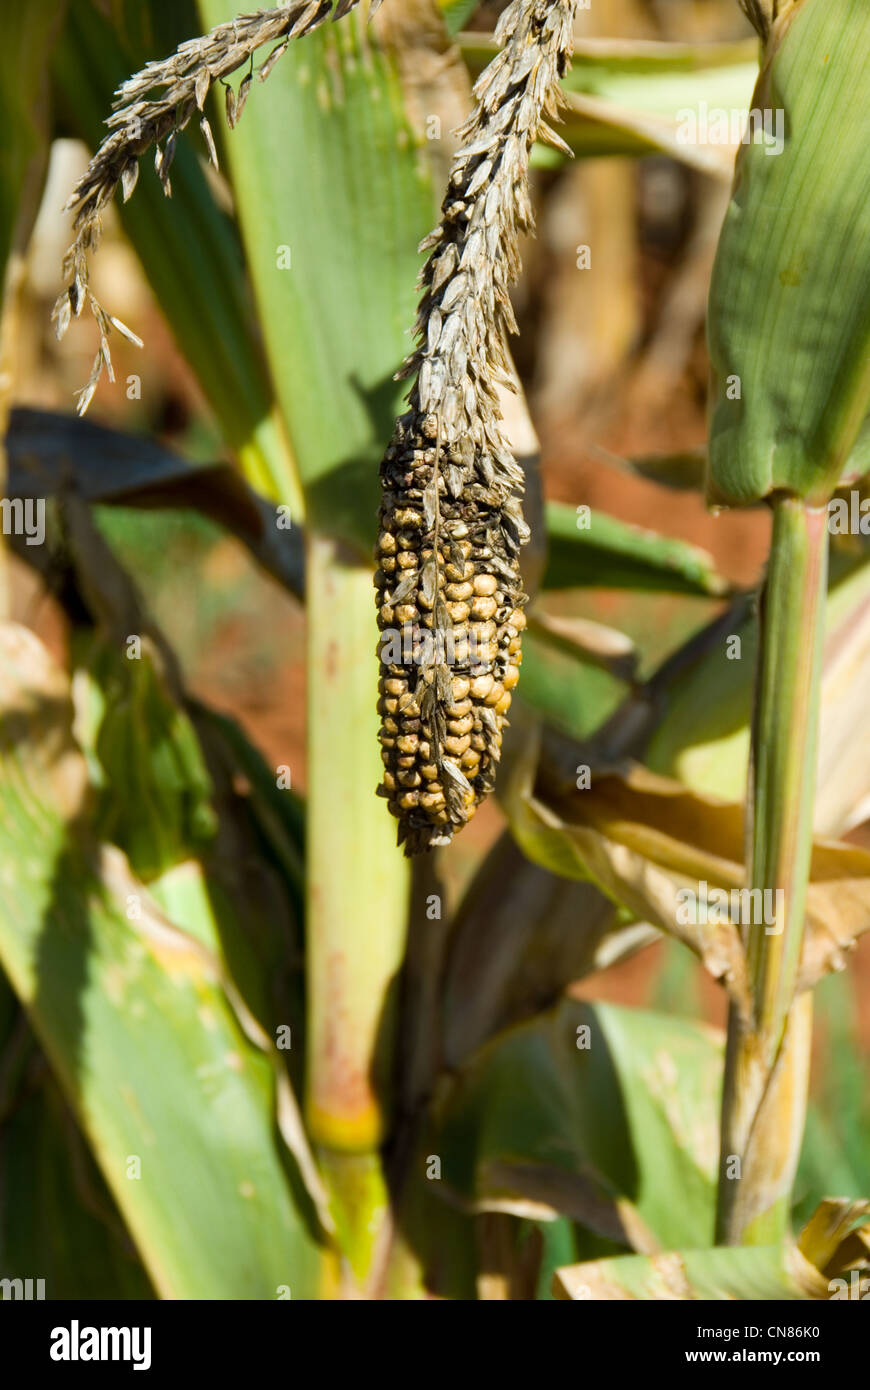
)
(643, 839)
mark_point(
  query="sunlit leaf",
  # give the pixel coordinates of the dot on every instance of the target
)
(592, 548)
(789, 315)
(152, 1048)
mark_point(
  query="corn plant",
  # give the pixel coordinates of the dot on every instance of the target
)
(253, 1047)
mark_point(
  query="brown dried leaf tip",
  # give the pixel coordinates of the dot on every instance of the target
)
(449, 589)
(141, 119)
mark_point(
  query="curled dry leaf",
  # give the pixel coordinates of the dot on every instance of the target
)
(837, 1238)
(760, 1272)
(833, 1243)
(648, 843)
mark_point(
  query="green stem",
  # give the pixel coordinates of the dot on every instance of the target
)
(767, 1062)
(357, 900)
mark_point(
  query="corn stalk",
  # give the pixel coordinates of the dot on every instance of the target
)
(357, 893)
(767, 1068)
(788, 404)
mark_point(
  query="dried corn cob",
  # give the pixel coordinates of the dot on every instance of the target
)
(448, 584)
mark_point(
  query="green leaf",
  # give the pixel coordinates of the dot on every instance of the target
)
(573, 694)
(702, 738)
(202, 820)
(595, 1112)
(250, 887)
(789, 318)
(277, 812)
(155, 800)
(836, 1150)
(152, 1046)
(593, 549)
(332, 195)
(429, 1258)
(457, 13)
